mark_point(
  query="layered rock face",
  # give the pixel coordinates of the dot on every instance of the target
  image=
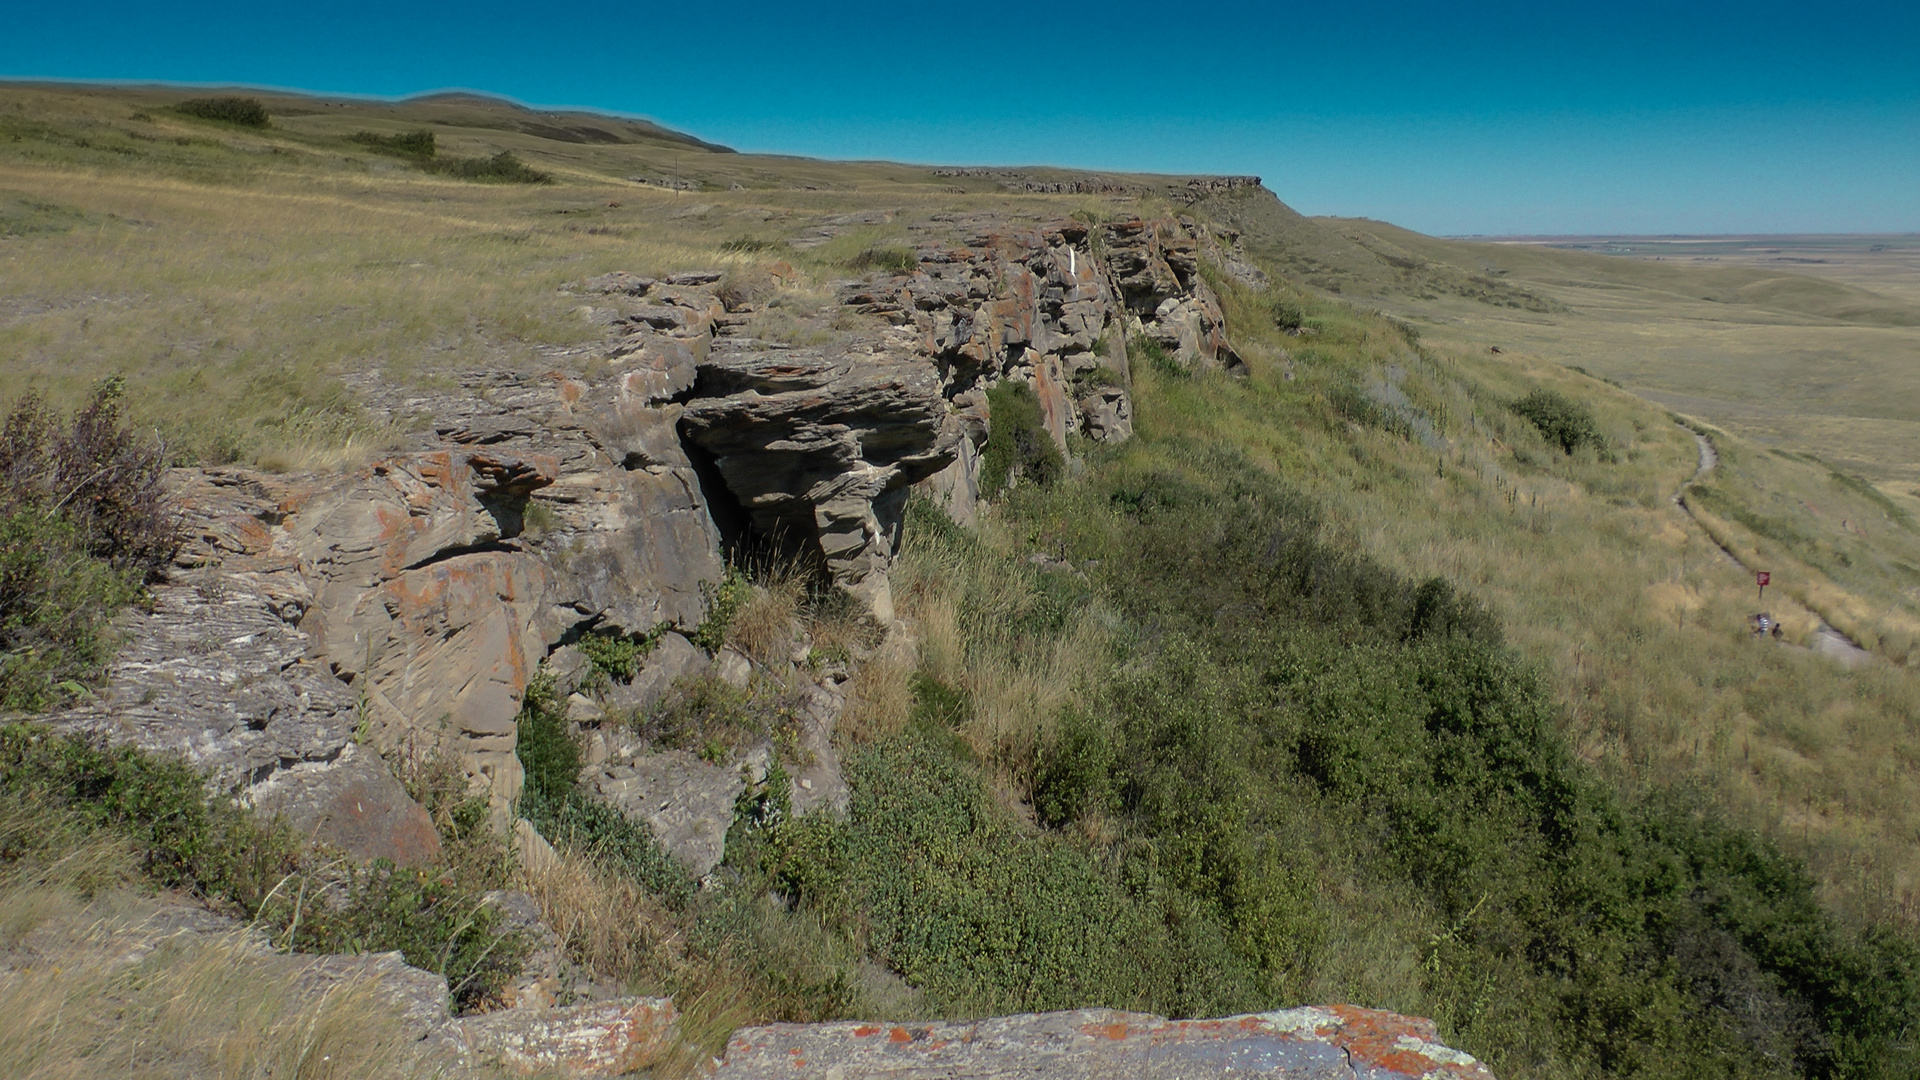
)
(407, 605)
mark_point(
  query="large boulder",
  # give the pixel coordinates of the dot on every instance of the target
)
(685, 802)
(355, 804)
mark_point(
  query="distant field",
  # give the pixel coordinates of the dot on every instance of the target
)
(1809, 344)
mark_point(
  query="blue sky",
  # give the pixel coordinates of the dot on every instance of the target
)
(1459, 118)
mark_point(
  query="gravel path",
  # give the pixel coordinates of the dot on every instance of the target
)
(1826, 641)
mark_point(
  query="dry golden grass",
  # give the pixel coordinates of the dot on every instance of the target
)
(879, 696)
(963, 607)
(609, 924)
(768, 623)
(89, 990)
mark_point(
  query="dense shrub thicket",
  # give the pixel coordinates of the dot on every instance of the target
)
(1299, 757)
(1019, 448)
(411, 144)
(504, 167)
(245, 111)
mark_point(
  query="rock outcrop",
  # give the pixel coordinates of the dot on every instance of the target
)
(406, 606)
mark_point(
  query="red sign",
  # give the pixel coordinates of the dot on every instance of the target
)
(1762, 578)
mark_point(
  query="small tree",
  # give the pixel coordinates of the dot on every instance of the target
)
(1560, 420)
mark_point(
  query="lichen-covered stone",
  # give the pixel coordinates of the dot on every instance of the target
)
(1334, 1043)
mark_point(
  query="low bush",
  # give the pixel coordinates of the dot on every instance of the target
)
(724, 601)
(574, 821)
(411, 144)
(1144, 350)
(1560, 420)
(425, 916)
(184, 837)
(502, 168)
(1019, 446)
(245, 111)
(1287, 315)
(617, 656)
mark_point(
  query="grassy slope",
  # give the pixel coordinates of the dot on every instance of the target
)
(235, 275)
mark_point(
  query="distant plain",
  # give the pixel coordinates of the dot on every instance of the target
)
(1806, 343)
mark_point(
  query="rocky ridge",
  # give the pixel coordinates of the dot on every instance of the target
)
(318, 626)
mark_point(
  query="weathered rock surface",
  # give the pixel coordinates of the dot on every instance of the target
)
(820, 446)
(609, 1038)
(355, 804)
(687, 803)
(423, 603)
(1337, 1043)
(216, 669)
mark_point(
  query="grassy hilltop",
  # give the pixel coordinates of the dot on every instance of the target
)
(1359, 686)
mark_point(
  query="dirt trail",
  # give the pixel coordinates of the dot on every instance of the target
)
(1826, 641)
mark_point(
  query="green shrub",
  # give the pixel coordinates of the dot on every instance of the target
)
(724, 602)
(617, 656)
(1287, 315)
(185, 839)
(1019, 446)
(982, 917)
(190, 839)
(245, 111)
(57, 603)
(412, 144)
(708, 715)
(1094, 377)
(429, 919)
(1560, 420)
(502, 168)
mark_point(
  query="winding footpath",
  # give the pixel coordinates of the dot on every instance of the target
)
(1827, 641)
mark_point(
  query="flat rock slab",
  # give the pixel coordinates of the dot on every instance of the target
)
(611, 1038)
(1339, 1042)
